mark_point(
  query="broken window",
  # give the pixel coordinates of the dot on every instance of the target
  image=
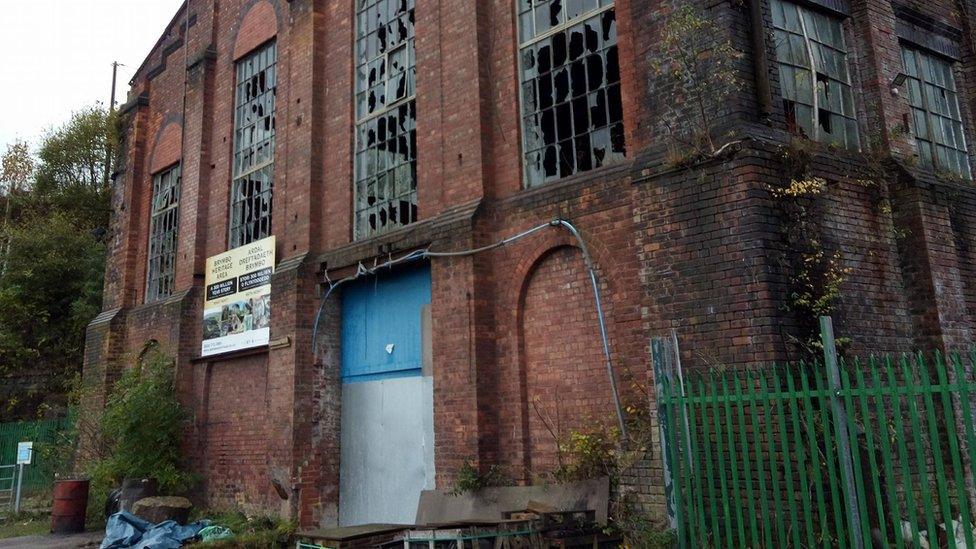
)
(572, 115)
(814, 76)
(254, 142)
(935, 112)
(386, 114)
(163, 229)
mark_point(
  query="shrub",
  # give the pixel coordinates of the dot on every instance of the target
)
(587, 454)
(139, 432)
(470, 479)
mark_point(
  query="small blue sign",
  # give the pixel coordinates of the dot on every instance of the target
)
(25, 452)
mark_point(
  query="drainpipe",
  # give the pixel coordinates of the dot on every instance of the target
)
(760, 60)
(599, 314)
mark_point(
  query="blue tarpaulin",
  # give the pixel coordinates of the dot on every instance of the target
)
(127, 531)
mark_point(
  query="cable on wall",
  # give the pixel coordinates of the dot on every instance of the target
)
(426, 253)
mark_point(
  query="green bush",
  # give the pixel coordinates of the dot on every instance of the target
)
(140, 432)
(470, 479)
(587, 454)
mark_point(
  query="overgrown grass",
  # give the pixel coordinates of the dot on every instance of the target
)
(257, 532)
(34, 519)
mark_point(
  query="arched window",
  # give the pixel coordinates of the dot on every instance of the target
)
(254, 143)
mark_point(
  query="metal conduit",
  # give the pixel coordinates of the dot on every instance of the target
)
(362, 270)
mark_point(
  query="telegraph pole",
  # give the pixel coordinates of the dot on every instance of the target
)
(111, 110)
(115, 74)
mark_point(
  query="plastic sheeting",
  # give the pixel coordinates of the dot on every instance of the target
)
(127, 531)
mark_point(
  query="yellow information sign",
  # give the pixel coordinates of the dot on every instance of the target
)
(237, 306)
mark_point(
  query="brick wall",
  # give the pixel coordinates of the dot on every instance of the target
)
(695, 249)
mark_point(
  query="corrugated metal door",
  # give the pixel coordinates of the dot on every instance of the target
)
(387, 455)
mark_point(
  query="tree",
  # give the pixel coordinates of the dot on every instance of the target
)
(697, 61)
(70, 173)
(16, 167)
(16, 170)
(54, 257)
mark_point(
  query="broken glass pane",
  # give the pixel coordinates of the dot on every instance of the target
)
(812, 59)
(250, 211)
(385, 171)
(571, 104)
(163, 229)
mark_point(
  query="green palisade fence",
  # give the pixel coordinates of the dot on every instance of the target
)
(755, 461)
(39, 474)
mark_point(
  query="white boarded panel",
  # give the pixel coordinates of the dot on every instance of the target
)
(387, 450)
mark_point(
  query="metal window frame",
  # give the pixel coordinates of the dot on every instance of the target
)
(255, 168)
(154, 216)
(562, 27)
(808, 42)
(386, 87)
(358, 231)
(919, 54)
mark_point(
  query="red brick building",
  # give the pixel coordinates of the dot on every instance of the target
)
(359, 131)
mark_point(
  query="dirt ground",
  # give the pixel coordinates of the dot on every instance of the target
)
(52, 541)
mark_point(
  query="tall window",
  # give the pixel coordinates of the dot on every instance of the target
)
(935, 111)
(814, 75)
(254, 142)
(163, 231)
(572, 116)
(386, 114)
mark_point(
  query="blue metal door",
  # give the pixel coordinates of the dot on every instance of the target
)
(386, 456)
(381, 325)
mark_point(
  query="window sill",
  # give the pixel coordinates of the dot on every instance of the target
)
(614, 170)
(231, 355)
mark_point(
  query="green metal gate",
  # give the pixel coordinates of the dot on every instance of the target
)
(39, 475)
(786, 457)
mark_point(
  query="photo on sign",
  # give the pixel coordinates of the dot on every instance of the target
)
(238, 317)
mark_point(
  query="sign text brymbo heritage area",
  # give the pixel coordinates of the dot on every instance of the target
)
(237, 310)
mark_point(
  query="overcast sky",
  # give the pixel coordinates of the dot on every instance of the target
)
(57, 57)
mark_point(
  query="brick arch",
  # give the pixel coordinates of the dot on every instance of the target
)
(259, 25)
(536, 247)
(151, 346)
(562, 376)
(168, 148)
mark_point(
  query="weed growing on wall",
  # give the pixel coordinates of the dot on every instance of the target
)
(698, 65)
(471, 479)
(815, 273)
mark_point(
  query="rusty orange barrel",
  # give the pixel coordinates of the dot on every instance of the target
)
(70, 504)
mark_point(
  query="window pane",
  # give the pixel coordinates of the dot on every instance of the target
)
(163, 232)
(935, 112)
(802, 34)
(254, 143)
(386, 174)
(571, 104)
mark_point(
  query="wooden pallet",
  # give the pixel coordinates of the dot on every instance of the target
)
(367, 536)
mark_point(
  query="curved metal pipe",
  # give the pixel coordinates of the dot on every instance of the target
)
(760, 62)
(600, 316)
(362, 270)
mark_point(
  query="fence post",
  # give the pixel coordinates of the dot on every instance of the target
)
(660, 357)
(840, 427)
(20, 482)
